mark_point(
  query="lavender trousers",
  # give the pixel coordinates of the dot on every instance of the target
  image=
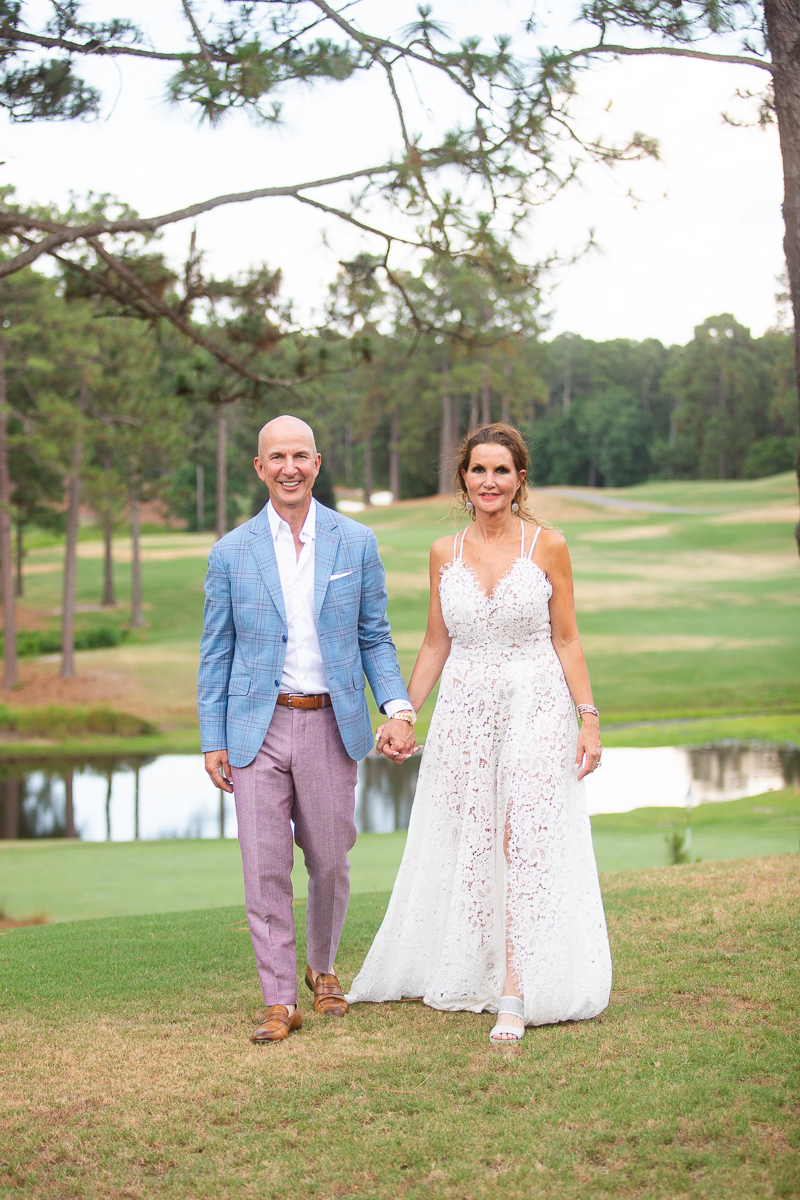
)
(301, 774)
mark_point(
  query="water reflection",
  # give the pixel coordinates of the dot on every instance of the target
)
(171, 797)
(660, 777)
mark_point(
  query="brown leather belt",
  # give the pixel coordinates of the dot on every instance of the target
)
(297, 700)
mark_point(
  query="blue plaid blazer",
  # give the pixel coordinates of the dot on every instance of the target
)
(244, 634)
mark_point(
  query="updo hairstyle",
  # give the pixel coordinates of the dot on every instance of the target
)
(497, 434)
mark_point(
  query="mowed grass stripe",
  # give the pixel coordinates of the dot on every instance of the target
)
(68, 880)
(128, 1070)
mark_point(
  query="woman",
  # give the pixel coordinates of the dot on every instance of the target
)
(497, 905)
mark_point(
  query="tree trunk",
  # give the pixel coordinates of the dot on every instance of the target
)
(394, 456)
(12, 790)
(109, 599)
(10, 674)
(368, 469)
(69, 805)
(20, 584)
(504, 411)
(222, 471)
(136, 621)
(486, 399)
(446, 441)
(783, 35)
(201, 496)
(473, 410)
(109, 784)
(70, 557)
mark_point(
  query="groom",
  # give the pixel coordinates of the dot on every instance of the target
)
(295, 616)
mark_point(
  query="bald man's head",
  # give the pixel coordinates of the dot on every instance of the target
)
(288, 463)
(285, 427)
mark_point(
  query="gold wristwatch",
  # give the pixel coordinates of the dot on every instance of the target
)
(406, 714)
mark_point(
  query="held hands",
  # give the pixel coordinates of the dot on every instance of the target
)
(219, 769)
(395, 739)
(589, 748)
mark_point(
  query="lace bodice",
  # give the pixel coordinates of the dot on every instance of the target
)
(499, 855)
(514, 618)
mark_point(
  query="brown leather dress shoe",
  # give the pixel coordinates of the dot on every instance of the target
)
(328, 996)
(277, 1024)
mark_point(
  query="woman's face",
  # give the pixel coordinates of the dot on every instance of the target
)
(491, 479)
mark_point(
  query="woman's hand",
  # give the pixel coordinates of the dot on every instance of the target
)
(395, 739)
(589, 747)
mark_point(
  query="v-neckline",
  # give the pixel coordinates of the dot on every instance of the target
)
(489, 596)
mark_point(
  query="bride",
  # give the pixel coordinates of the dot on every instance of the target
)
(496, 906)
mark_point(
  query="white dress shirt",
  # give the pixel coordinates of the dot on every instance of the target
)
(303, 670)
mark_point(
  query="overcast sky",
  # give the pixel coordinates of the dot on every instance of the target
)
(703, 236)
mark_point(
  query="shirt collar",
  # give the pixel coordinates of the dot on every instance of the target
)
(309, 531)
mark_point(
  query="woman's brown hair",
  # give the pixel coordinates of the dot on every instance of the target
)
(498, 434)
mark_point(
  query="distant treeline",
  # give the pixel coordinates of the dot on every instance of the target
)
(604, 414)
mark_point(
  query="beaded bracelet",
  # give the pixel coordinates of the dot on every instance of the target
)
(586, 708)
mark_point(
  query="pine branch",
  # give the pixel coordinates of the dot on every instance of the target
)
(62, 234)
(204, 50)
(157, 307)
(606, 48)
(95, 48)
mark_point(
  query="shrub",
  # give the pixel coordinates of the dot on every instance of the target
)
(31, 642)
(769, 456)
(54, 721)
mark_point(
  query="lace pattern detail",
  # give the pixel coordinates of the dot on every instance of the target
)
(499, 841)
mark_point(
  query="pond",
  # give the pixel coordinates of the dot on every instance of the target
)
(171, 797)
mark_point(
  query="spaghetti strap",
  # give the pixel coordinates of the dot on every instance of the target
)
(522, 540)
(455, 547)
(533, 543)
(461, 548)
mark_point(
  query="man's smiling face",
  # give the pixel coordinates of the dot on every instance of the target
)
(288, 462)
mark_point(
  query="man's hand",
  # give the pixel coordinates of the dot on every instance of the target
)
(396, 740)
(219, 769)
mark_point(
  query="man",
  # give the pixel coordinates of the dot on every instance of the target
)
(295, 615)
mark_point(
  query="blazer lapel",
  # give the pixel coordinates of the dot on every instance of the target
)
(326, 543)
(263, 550)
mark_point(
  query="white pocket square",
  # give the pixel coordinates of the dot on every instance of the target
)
(341, 575)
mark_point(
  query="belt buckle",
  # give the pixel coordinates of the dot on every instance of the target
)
(293, 695)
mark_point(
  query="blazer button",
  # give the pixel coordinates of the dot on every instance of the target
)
(277, 683)
(285, 639)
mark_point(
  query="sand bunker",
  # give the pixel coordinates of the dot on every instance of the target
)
(782, 513)
(633, 534)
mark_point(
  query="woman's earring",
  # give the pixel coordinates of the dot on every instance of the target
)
(515, 507)
(469, 506)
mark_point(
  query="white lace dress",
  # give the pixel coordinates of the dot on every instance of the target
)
(498, 766)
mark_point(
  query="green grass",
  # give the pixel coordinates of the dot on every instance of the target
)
(71, 880)
(755, 825)
(775, 729)
(128, 1072)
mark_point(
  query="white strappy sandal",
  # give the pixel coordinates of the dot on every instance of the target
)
(515, 1008)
